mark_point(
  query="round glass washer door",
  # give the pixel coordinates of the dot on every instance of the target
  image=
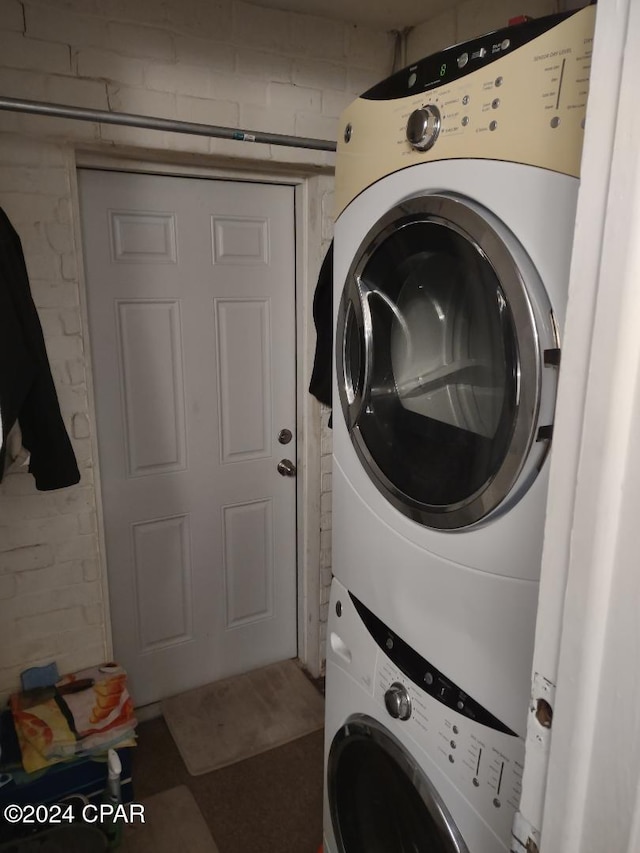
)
(439, 360)
(380, 800)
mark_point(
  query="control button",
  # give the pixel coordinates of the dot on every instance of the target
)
(497, 803)
(452, 744)
(398, 702)
(465, 121)
(479, 54)
(460, 705)
(451, 758)
(444, 694)
(428, 678)
(389, 643)
(499, 81)
(338, 608)
(506, 44)
(455, 730)
(495, 103)
(465, 100)
(555, 121)
(347, 133)
(463, 59)
(475, 782)
(493, 125)
(412, 79)
(423, 127)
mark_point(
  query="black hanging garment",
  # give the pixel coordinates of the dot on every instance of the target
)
(320, 385)
(27, 392)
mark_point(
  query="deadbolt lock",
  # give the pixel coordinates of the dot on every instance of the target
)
(285, 436)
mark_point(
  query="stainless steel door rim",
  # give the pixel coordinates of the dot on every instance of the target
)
(355, 345)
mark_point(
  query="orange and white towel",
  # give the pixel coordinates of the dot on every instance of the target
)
(84, 713)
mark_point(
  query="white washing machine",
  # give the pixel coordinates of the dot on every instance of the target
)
(456, 186)
(413, 763)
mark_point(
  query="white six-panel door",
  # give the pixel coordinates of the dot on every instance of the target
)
(191, 303)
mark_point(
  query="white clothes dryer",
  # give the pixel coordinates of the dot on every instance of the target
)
(456, 186)
(412, 762)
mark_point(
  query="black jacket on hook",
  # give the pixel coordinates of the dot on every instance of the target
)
(27, 392)
(321, 377)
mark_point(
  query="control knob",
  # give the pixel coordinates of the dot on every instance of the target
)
(423, 127)
(398, 701)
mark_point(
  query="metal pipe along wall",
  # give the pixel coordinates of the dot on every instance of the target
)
(154, 123)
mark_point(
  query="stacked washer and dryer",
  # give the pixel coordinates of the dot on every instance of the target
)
(456, 190)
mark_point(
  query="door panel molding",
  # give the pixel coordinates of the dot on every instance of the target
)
(162, 566)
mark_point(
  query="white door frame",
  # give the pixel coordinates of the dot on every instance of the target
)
(308, 241)
(581, 785)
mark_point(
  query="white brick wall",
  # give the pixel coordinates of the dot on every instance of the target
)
(215, 61)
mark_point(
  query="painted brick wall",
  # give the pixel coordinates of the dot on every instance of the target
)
(214, 61)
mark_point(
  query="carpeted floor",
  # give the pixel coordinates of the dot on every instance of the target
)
(271, 803)
(172, 822)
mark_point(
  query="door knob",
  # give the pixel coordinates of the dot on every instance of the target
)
(286, 468)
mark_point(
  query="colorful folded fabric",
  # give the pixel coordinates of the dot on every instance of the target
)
(82, 714)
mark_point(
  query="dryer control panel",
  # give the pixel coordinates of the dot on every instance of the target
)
(462, 59)
(517, 95)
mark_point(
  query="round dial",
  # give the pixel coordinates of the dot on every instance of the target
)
(398, 701)
(423, 127)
